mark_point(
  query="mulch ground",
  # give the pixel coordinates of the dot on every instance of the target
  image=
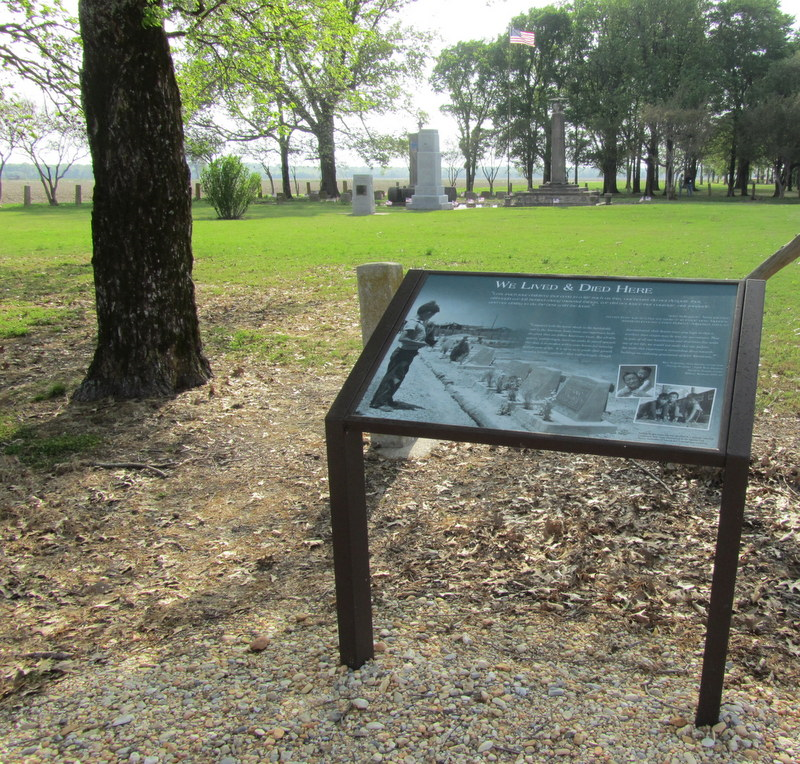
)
(214, 504)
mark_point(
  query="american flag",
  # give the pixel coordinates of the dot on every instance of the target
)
(519, 37)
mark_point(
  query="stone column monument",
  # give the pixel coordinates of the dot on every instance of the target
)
(363, 195)
(429, 192)
(558, 190)
(558, 146)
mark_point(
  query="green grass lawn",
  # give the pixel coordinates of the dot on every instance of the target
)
(45, 254)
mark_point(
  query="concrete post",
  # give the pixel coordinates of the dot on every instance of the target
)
(377, 283)
(197, 190)
(78, 195)
(26, 196)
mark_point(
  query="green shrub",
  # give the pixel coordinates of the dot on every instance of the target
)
(230, 187)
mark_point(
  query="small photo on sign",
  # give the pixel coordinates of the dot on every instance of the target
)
(636, 381)
(678, 406)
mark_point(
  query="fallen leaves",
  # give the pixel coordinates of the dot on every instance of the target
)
(215, 503)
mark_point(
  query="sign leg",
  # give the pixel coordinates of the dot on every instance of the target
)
(350, 544)
(726, 562)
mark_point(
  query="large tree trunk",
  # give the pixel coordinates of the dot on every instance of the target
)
(651, 177)
(743, 176)
(148, 335)
(286, 179)
(732, 167)
(327, 156)
(609, 162)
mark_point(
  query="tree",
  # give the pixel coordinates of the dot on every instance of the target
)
(453, 157)
(465, 72)
(531, 77)
(670, 72)
(321, 61)
(15, 113)
(39, 42)
(601, 92)
(746, 37)
(53, 142)
(490, 168)
(148, 340)
(773, 121)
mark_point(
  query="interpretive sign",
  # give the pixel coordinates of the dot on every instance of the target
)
(662, 369)
(640, 361)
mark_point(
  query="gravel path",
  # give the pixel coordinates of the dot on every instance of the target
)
(447, 685)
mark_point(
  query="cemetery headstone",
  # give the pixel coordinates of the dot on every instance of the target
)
(483, 356)
(582, 399)
(519, 369)
(540, 384)
(364, 196)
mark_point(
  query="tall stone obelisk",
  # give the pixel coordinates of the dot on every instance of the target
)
(558, 144)
(558, 190)
(429, 192)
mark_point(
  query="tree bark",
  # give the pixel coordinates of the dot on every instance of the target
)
(743, 176)
(327, 156)
(609, 162)
(650, 183)
(731, 181)
(286, 180)
(148, 341)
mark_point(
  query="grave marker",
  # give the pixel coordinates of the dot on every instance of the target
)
(483, 356)
(582, 399)
(540, 383)
(364, 197)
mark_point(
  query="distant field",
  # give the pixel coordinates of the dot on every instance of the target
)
(45, 254)
(13, 189)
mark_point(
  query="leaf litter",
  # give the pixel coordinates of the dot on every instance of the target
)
(213, 505)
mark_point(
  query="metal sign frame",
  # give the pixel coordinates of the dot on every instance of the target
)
(344, 435)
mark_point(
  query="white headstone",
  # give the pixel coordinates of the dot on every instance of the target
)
(363, 195)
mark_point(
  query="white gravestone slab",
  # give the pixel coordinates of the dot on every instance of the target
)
(363, 195)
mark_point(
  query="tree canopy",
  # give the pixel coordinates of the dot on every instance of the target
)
(664, 83)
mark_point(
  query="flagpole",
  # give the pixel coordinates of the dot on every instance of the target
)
(508, 124)
(518, 37)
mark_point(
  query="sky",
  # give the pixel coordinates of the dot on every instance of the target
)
(453, 21)
(457, 20)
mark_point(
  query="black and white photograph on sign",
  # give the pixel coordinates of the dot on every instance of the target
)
(679, 406)
(569, 356)
(636, 381)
